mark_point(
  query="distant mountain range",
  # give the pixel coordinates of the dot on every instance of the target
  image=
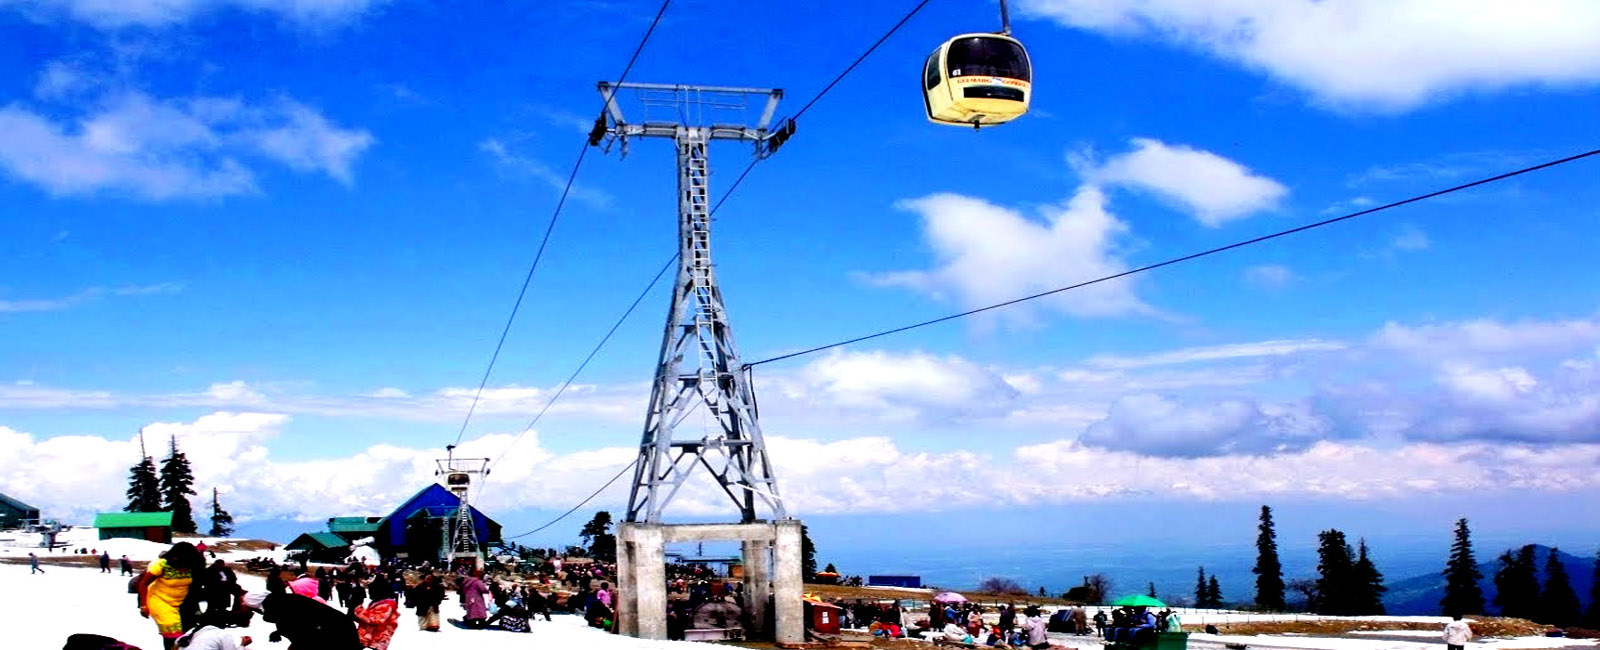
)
(1420, 595)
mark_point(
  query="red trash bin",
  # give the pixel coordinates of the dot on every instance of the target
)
(823, 618)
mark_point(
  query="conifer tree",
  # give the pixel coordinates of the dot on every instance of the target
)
(808, 555)
(1517, 584)
(144, 489)
(1200, 593)
(1367, 582)
(1151, 591)
(1334, 568)
(1591, 618)
(1558, 603)
(1268, 570)
(1462, 594)
(1213, 591)
(177, 481)
(221, 521)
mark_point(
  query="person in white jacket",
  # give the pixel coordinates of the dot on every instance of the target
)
(207, 637)
(1038, 639)
(1457, 633)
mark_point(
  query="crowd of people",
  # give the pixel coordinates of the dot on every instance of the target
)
(199, 606)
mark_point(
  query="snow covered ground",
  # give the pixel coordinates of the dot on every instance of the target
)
(42, 610)
(14, 544)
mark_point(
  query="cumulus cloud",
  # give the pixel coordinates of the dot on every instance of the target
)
(1158, 425)
(1212, 188)
(111, 14)
(158, 149)
(1382, 55)
(1485, 339)
(987, 253)
(904, 386)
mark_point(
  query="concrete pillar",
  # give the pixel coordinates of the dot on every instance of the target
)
(788, 586)
(627, 596)
(757, 585)
(643, 583)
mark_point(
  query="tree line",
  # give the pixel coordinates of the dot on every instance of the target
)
(167, 490)
(1349, 583)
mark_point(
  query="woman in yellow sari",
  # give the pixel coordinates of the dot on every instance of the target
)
(165, 585)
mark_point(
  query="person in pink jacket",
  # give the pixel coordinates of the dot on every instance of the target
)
(473, 591)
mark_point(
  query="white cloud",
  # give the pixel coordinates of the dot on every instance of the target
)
(135, 144)
(1214, 189)
(1411, 238)
(522, 165)
(987, 254)
(306, 141)
(111, 14)
(1270, 276)
(87, 295)
(904, 386)
(1486, 339)
(1251, 350)
(1384, 55)
(1157, 425)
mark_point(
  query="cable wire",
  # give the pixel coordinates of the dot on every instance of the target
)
(1185, 258)
(859, 59)
(586, 500)
(574, 376)
(554, 216)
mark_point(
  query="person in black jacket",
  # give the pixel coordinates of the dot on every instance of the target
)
(425, 597)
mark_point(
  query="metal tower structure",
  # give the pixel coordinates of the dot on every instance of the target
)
(459, 476)
(699, 365)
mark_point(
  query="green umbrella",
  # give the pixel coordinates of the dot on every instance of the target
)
(1139, 600)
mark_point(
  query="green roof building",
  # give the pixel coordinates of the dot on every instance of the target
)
(150, 526)
(320, 547)
(354, 528)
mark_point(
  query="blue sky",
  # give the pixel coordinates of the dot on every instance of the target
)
(289, 234)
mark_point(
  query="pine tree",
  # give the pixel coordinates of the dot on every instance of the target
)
(1268, 570)
(1367, 582)
(1334, 568)
(808, 555)
(1591, 618)
(1213, 592)
(1200, 595)
(1517, 584)
(221, 521)
(1152, 590)
(144, 490)
(1462, 595)
(1558, 604)
(177, 480)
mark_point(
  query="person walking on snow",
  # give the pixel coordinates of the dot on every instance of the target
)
(33, 564)
(1457, 633)
(127, 566)
(105, 561)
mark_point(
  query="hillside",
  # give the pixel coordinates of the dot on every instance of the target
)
(1420, 595)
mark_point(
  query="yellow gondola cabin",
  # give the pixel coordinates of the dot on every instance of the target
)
(977, 80)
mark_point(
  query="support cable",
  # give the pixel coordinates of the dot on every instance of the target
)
(554, 216)
(574, 376)
(1185, 258)
(586, 500)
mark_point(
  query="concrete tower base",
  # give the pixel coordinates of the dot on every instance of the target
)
(771, 568)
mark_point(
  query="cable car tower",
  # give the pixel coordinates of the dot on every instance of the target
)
(699, 365)
(699, 368)
(459, 475)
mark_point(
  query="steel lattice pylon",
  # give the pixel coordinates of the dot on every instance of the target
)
(699, 364)
(459, 475)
